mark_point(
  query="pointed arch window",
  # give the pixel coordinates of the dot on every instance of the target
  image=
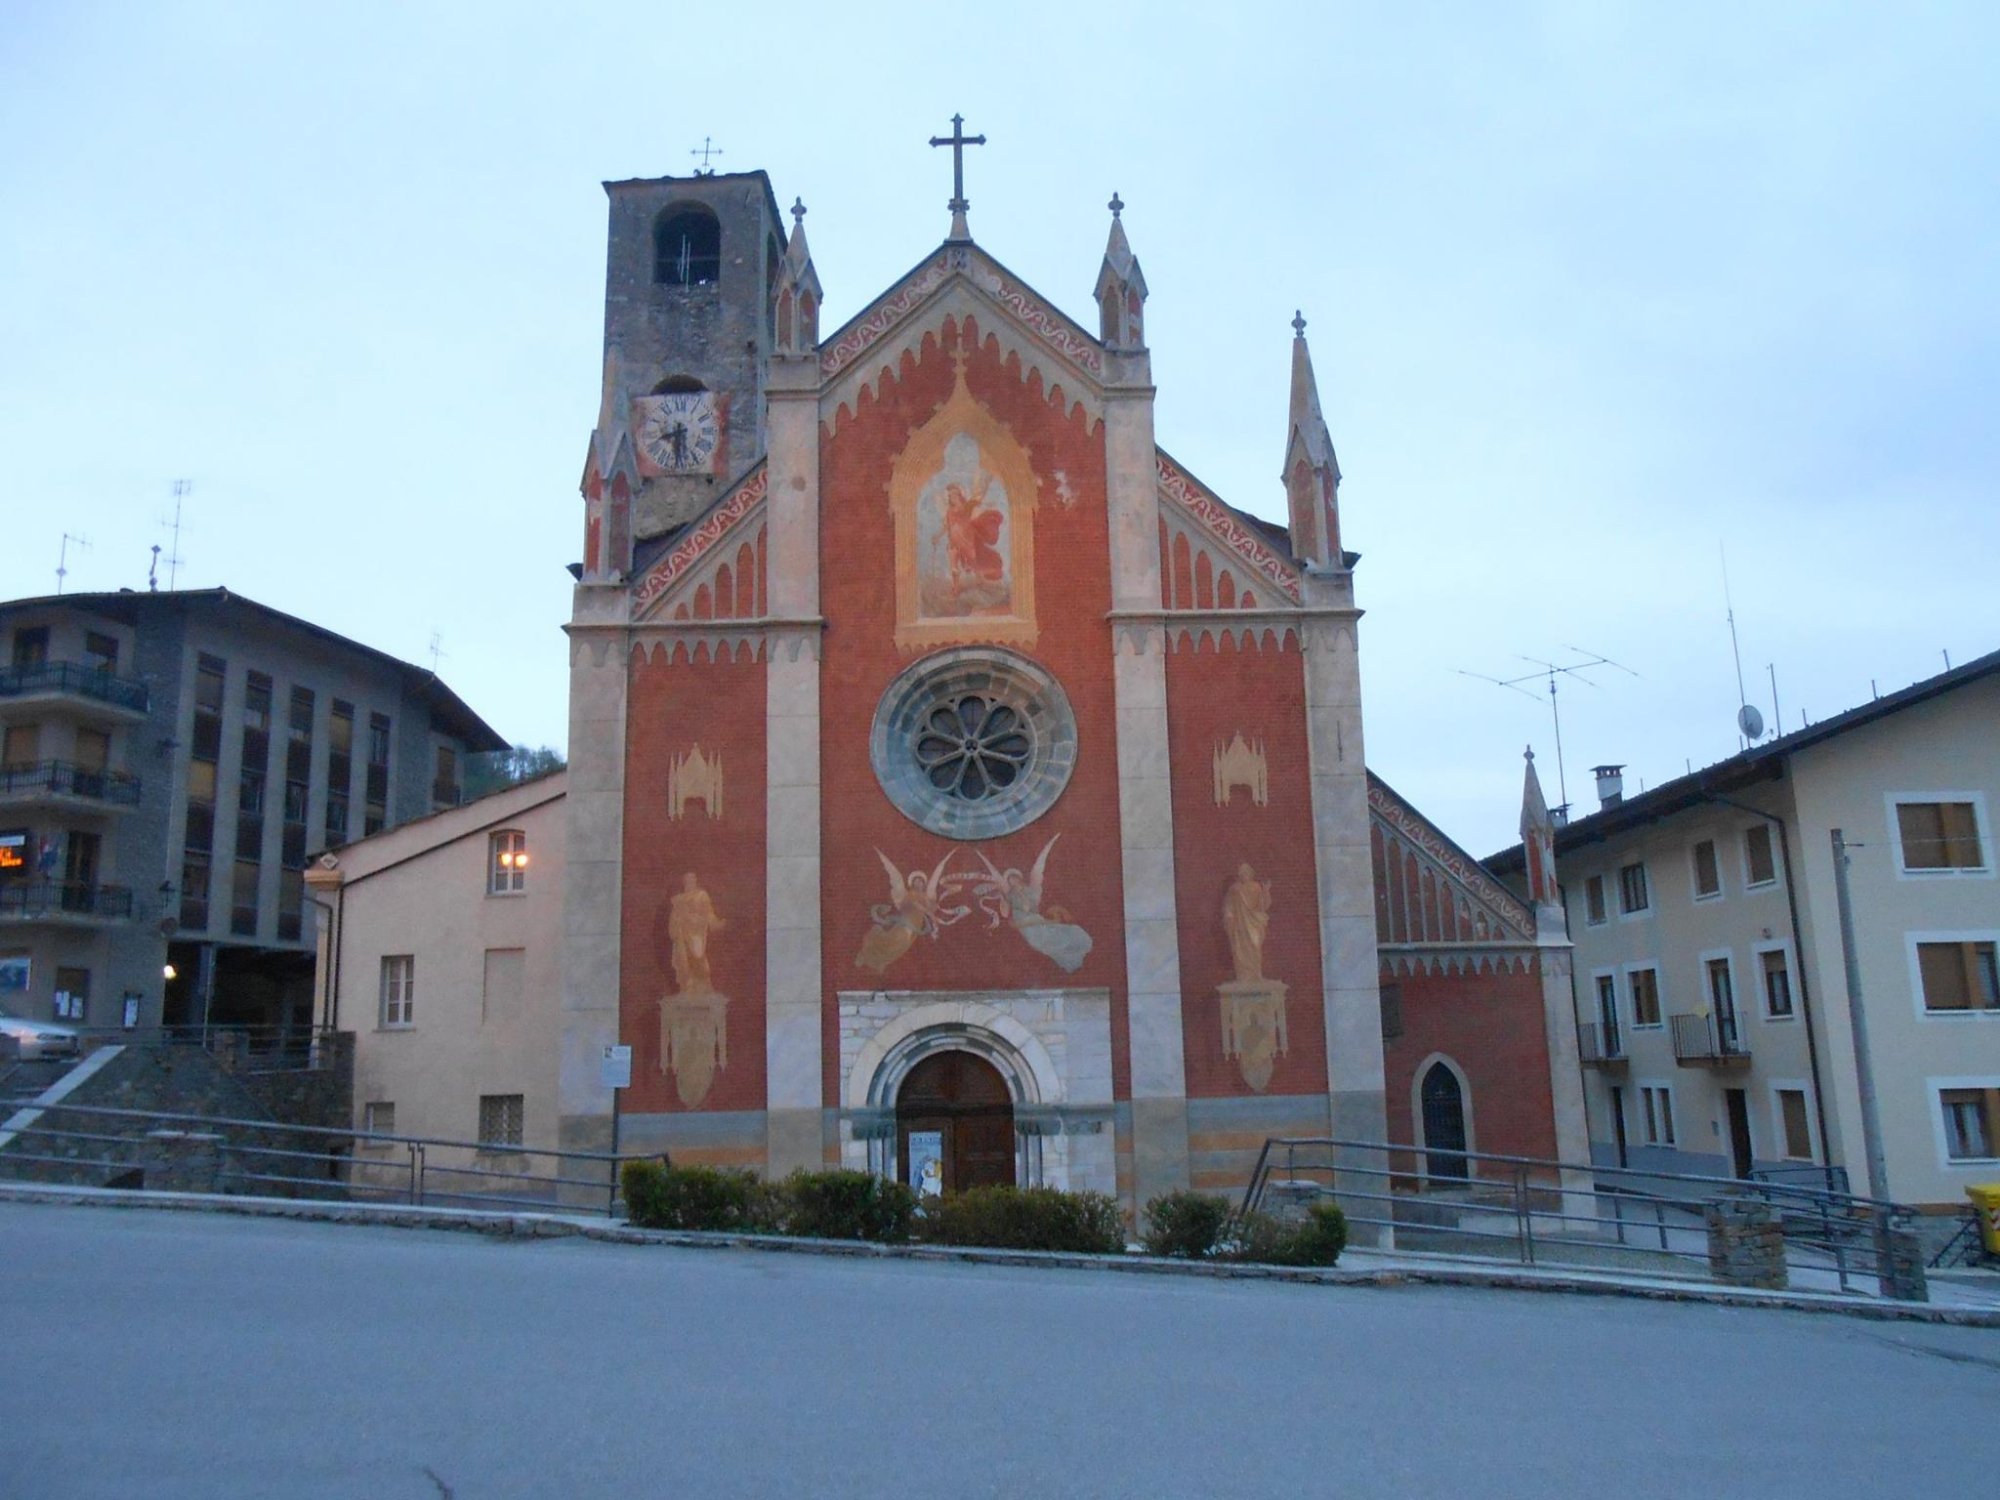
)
(687, 247)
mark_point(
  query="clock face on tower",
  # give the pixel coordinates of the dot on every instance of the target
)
(679, 433)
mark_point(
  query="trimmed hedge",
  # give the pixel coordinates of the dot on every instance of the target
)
(1012, 1218)
(841, 1205)
(659, 1196)
(1317, 1241)
(1185, 1224)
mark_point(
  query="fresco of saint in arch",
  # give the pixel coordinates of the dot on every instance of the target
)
(965, 544)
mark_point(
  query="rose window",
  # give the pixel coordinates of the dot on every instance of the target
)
(973, 743)
(974, 747)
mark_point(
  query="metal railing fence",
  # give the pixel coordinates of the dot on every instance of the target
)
(1539, 1211)
(73, 677)
(68, 779)
(1708, 1038)
(209, 1153)
(41, 898)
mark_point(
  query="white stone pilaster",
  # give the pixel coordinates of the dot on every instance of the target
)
(1350, 991)
(793, 1031)
(1145, 791)
(593, 886)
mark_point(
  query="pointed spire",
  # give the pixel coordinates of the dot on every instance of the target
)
(1312, 473)
(610, 478)
(1121, 289)
(1538, 838)
(798, 292)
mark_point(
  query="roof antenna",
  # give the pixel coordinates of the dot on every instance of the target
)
(1749, 722)
(182, 489)
(437, 650)
(153, 571)
(62, 557)
(1552, 670)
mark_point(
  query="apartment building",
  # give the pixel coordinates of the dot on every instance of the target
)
(1715, 1018)
(168, 762)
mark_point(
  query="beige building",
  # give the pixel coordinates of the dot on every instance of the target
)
(440, 949)
(1713, 1006)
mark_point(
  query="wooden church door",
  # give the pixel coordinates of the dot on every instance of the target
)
(963, 1100)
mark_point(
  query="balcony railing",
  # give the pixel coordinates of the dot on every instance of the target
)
(73, 677)
(447, 793)
(63, 779)
(1710, 1041)
(1601, 1045)
(59, 898)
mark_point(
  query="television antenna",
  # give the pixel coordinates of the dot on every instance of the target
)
(437, 650)
(182, 489)
(1550, 672)
(62, 557)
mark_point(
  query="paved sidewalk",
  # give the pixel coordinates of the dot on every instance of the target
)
(1970, 1299)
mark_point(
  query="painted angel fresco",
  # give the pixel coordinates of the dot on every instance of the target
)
(1010, 896)
(916, 908)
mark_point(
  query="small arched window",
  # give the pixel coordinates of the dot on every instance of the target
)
(507, 863)
(687, 247)
(678, 385)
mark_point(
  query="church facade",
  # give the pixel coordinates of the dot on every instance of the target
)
(961, 789)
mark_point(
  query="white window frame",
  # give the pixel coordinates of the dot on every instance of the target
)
(1934, 1090)
(408, 998)
(1750, 882)
(1639, 913)
(1924, 1012)
(1726, 957)
(1619, 1009)
(1893, 800)
(1604, 901)
(1779, 1086)
(1764, 1013)
(1695, 892)
(1632, 999)
(371, 1133)
(1651, 1117)
(502, 880)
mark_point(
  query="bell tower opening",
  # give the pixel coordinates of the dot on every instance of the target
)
(955, 1125)
(687, 246)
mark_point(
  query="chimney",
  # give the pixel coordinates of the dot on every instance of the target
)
(1610, 785)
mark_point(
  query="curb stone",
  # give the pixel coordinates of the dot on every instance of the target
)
(509, 1224)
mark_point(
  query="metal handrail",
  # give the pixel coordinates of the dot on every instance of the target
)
(1600, 1042)
(1538, 1207)
(73, 677)
(66, 778)
(342, 1148)
(38, 898)
(1708, 1038)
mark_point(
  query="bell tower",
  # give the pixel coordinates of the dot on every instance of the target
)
(689, 289)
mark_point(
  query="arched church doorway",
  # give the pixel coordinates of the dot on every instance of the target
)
(954, 1109)
(1443, 1101)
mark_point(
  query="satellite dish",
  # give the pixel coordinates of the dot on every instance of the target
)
(1750, 722)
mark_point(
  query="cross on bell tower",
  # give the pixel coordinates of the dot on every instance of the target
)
(958, 140)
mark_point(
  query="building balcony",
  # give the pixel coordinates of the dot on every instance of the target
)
(69, 902)
(446, 794)
(72, 683)
(1709, 1041)
(1601, 1046)
(61, 783)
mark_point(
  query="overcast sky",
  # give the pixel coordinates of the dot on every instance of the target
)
(1594, 292)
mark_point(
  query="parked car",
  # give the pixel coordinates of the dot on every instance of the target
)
(38, 1038)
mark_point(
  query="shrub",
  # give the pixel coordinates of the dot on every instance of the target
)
(659, 1196)
(1185, 1224)
(1038, 1218)
(1317, 1241)
(842, 1205)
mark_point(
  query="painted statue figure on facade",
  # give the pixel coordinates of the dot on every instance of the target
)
(915, 908)
(1010, 896)
(1246, 917)
(694, 1033)
(1254, 1030)
(963, 550)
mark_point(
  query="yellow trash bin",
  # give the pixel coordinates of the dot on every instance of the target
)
(1986, 1201)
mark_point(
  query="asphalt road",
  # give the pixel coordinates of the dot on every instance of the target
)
(161, 1355)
